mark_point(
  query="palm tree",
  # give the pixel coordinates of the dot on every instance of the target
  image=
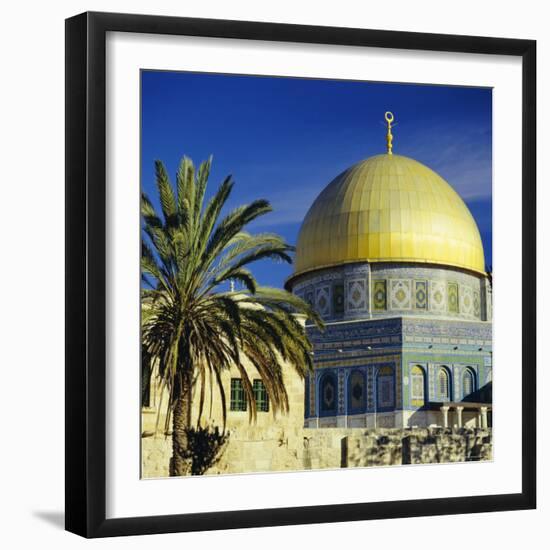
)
(192, 325)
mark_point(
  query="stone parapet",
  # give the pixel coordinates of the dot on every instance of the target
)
(253, 449)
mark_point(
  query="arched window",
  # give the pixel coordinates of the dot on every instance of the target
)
(468, 383)
(385, 388)
(417, 386)
(328, 394)
(356, 392)
(443, 388)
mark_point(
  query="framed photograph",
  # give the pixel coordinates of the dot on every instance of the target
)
(300, 274)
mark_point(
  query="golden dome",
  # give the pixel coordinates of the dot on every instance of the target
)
(389, 208)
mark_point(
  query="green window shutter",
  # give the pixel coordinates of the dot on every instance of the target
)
(238, 397)
(260, 396)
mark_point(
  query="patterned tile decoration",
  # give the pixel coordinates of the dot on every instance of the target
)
(313, 279)
(341, 392)
(379, 295)
(338, 299)
(476, 304)
(459, 330)
(456, 386)
(357, 295)
(436, 279)
(322, 300)
(452, 297)
(312, 409)
(370, 386)
(385, 387)
(400, 293)
(398, 384)
(421, 295)
(466, 300)
(357, 390)
(387, 333)
(309, 297)
(328, 385)
(438, 296)
(417, 385)
(364, 332)
(386, 384)
(431, 382)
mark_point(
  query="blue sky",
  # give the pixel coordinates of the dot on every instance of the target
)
(285, 139)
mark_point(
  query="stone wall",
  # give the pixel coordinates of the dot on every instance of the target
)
(254, 449)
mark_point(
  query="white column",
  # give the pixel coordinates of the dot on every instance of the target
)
(483, 417)
(459, 416)
(445, 413)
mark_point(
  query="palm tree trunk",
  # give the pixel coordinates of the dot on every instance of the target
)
(181, 461)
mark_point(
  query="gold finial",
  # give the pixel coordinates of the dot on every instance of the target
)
(389, 137)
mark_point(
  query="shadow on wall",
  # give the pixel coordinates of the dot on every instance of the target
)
(483, 395)
(205, 448)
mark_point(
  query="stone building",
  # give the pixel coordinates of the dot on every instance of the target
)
(392, 259)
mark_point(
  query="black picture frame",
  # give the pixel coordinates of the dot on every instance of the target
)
(86, 279)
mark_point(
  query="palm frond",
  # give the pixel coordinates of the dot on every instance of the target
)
(192, 328)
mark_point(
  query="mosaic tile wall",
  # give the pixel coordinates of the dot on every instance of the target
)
(374, 385)
(359, 291)
(345, 349)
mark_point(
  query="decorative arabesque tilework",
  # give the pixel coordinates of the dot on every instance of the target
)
(435, 287)
(357, 390)
(456, 387)
(421, 295)
(400, 293)
(309, 297)
(431, 382)
(466, 300)
(379, 295)
(356, 295)
(335, 335)
(370, 386)
(341, 390)
(438, 296)
(328, 385)
(452, 297)
(417, 386)
(385, 387)
(398, 385)
(338, 299)
(476, 304)
(322, 300)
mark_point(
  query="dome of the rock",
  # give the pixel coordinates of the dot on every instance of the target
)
(389, 208)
